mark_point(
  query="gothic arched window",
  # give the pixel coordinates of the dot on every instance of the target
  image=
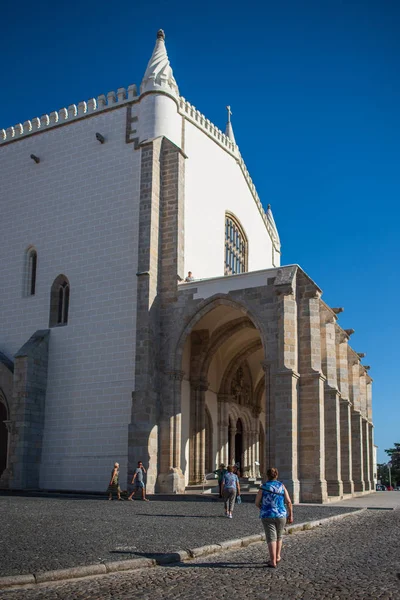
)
(30, 272)
(236, 246)
(59, 301)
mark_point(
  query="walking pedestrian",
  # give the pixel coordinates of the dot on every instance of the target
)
(138, 481)
(236, 469)
(276, 509)
(230, 487)
(220, 474)
(113, 486)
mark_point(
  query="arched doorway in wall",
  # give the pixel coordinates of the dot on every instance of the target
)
(3, 436)
(221, 361)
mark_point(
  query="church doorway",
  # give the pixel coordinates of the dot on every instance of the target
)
(221, 407)
(3, 438)
(239, 444)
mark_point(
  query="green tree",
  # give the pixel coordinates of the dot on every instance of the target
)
(383, 473)
(394, 455)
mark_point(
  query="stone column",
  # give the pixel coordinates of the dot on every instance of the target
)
(345, 415)
(357, 450)
(356, 422)
(369, 398)
(366, 455)
(198, 390)
(256, 414)
(245, 467)
(331, 403)
(372, 476)
(282, 389)
(363, 391)
(171, 478)
(143, 431)
(269, 425)
(345, 446)
(313, 487)
(232, 433)
(223, 428)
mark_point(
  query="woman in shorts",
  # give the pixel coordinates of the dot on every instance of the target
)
(276, 509)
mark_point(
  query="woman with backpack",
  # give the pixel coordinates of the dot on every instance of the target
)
(276, 509)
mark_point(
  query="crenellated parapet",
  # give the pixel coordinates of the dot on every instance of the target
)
(112, 100)
(193, 115)
(74, 112)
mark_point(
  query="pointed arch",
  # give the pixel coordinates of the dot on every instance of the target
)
(236, 246)
(59, 301)
(31, 260)
(203, 309)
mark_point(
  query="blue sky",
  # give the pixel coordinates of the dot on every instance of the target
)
(315, 93)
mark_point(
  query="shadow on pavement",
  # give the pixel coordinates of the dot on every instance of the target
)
(181, 516)
(186, 565)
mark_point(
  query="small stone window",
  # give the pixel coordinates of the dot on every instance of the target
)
(236, 246)
(30, 272)
(59, 301)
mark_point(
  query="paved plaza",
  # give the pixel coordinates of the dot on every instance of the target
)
(44, 533)
(354, 557)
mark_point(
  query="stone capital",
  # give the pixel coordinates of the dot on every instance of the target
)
(223, 398)
(199, 384)
(10, 425)
(345, 401)
(332, 391)
(287, 373)
(313, 375)
(175, 375)
(266, 365)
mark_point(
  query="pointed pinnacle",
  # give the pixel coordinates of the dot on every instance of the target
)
(160, 34)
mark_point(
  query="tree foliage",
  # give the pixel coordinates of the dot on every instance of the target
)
(394, 454)
(383, 469)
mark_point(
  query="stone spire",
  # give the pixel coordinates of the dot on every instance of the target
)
(228, 128)
(158, 75)
(271, 220)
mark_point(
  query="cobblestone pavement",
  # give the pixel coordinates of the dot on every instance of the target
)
(354, 558)
(42, 534)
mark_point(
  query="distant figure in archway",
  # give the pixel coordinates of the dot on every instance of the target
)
(230, 487)
(276, 509)
(220, 474)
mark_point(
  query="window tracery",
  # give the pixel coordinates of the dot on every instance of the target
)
(236, 246)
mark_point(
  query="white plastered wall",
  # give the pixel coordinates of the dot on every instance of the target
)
(214, 184)
(79, 208)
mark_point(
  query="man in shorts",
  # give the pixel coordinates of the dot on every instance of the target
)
(138, 481)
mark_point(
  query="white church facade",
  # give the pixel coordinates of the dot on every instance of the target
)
(107, 353)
